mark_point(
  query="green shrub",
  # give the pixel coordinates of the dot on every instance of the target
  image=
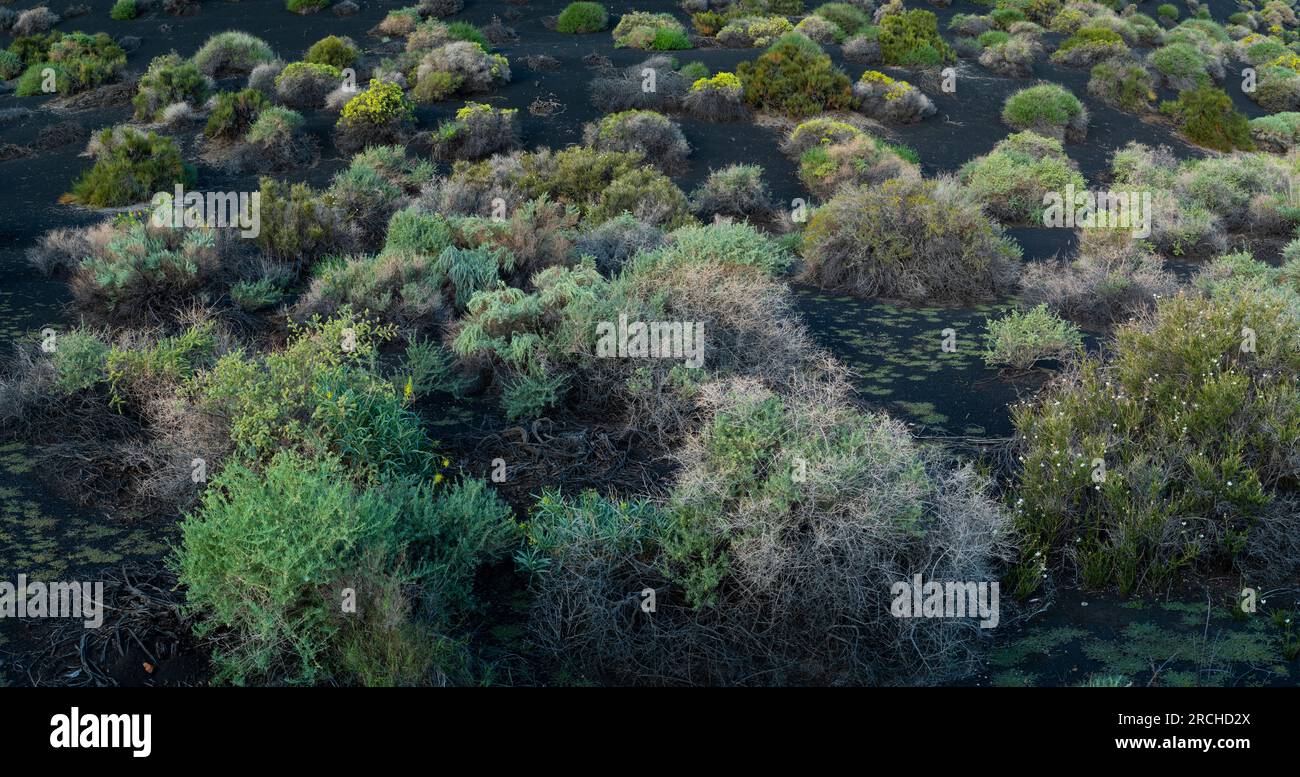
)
(468, 32)
(849, 18)
(1167, 11)
(123, 10)
(543, 346)
(582, 17)
(641, 30)
(478, 130)
(252, 296)
(383, 102)
(1019, 340)
(1005, 17)
(143, 268)
(377, 116)
(11, 65)
(306, 6)
(1208, 118)
(130, 168)
(79, 62)
(656, 137)
(135, 373)
(333, 51)
(992, 38)
(34, 48)
(862, 159)
(234, 113)
(1124, 84)
(647, 194)
(273, 126)
(79, 361)
(298, 225)
(1182, 64)
(1090, 45)
(740, 589)
(795, 77)
(1169, 451)
(1011, 180)
(168, 80)
(232, 53)
(753, 31)
(576, 175)
(911, 39)
(322, 392)
(415, 230)
(1279, 132)
(908, 238)
(667, 39)
(1047, 109)
(405, 289)
(272, 553)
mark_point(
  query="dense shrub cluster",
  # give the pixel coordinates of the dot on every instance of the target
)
(911, 239)
(359, 503)
(795, 77)
(1195, 202)
(74, 62)
(1010, 181)
(169, 80)
(542, 346)
(1112, 279)
(130, 166)
(742, 540)
(659, 140)
(1207, 117)
(1192, 418)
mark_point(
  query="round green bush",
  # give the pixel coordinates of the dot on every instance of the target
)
(332, 50)
(1047, 109)
(795, 77)
(582, 17)
(123, 10)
